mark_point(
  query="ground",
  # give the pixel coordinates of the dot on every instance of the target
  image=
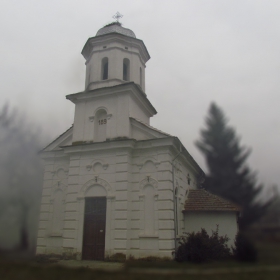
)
(268, 267)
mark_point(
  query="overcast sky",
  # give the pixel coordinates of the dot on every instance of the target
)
(201, 51)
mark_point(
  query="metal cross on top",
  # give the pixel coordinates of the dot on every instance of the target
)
(117, 16)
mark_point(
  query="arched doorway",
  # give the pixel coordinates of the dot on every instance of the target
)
(94, 224)
(94, 228)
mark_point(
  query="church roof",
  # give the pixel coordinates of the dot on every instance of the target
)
(201, 200)
(62, 134)
(151, 127)
(115, 27)
(75, 96)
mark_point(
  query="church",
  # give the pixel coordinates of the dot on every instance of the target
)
(112, 182)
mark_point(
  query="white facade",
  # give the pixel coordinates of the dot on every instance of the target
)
(111, 152)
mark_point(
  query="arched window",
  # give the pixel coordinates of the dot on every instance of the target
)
(57, 218)
(100, 125)
(140, 77)
(149, 209)
(126, 66)
(104, 69)
(88, 75)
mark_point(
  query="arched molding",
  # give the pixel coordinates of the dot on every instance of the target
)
(99, 183)
(102, 162)
(148, 208)
(147, 159)
(100, 108)
(58, 183)
(58, 187)
(95, 182)
(57, 169)
(148, 181)
(108, 116)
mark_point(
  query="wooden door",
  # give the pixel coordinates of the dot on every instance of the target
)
(94, 228)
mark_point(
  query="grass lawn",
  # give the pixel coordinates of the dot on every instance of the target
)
(26, 271)
(269, 253)
(268, 267)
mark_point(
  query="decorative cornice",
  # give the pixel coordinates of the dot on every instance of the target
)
(124, 88)
(115, 37)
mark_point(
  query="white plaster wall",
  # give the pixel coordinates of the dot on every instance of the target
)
(209, 220)
(119, 107)
(79, 122)
(49, 238)
(182, 171)
(118, 124)
(122, 175)
(155, 165)
(116, 52)
(139, 135)
(111, 170)
(136, 111)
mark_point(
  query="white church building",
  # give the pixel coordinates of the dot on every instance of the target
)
(113, 183)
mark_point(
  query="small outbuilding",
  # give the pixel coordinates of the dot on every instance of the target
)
(205, 210)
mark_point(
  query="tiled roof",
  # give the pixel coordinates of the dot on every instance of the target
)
(201, 200)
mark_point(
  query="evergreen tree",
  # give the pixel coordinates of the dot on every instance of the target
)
(229, 176)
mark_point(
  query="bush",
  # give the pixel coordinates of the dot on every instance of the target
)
(117, 257)
(200, 247)
(154, 259)
(244, 250)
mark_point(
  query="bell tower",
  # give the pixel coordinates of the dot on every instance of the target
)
(114, 56)
(114, 87)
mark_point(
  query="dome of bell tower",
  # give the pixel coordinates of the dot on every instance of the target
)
(114, 56)
(115, 27)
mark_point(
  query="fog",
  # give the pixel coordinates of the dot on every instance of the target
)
(201, 51)
(21, 181)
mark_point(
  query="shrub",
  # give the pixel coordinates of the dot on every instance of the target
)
(200, 247)
(117, 257)
(154, 259)
(244, 250)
